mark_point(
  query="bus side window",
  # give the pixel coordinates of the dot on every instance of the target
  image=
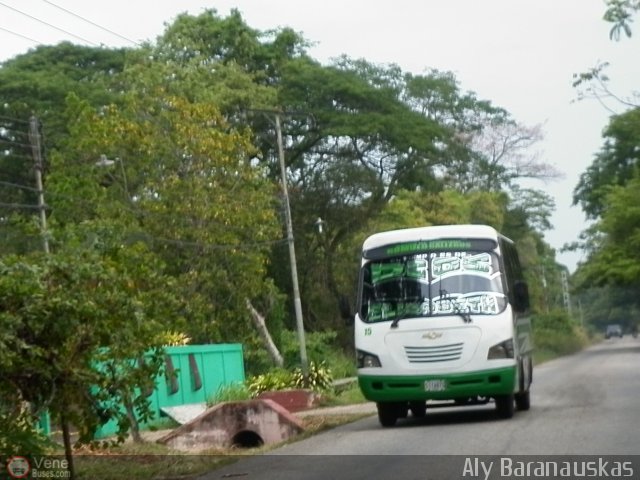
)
(518, 291)
(507, 260)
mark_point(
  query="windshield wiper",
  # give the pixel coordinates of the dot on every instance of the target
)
(400, 316)
(466, 316)
(394, 324)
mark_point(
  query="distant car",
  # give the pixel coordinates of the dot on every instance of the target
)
(613, 331)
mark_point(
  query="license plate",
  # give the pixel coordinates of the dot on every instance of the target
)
(435, 385)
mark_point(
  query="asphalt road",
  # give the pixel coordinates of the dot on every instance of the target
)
(584, 404)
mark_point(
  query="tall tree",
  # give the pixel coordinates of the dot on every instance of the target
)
(614, 164)
(65, 313)
(187, 188)
(614, 260)
(37, 84)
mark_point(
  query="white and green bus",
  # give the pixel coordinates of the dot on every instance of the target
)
(442, 320)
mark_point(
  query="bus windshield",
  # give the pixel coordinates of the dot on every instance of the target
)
(432, 284)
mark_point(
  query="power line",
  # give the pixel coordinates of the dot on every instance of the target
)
(178, 242)
(12, 119)
(20, 205)
(15, 185)
(15, 144)
(211, 246)
(48, 24)
(91, 23)
(20, 35)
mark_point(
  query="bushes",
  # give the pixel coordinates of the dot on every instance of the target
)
(274, 380)
(19, 434)
(319, 379)
(233, 392)
(321, 349)
(555, 333)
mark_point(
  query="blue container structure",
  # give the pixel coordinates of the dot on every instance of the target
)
(193, 374)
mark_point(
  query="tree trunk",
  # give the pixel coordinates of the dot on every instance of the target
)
(68, 451)
(261, 325)
(133, 421)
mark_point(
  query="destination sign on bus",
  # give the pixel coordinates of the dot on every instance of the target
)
(423, 246)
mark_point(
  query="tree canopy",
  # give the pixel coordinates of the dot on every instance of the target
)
(162, 184)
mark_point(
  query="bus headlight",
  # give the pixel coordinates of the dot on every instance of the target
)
(366, 359)
(501, 350)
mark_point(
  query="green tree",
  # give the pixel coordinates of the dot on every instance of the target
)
(620, 13)
(614, 260)
(37, 83)
(192, 195)
(614, 164)
(62, 313)
(369, 132)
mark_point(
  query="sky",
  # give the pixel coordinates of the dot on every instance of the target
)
(519, 54)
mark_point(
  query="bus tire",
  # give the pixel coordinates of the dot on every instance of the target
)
(387, 413)
(418, 409)
(505, 405)
(523, 401)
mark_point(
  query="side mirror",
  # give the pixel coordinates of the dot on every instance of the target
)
(520, 296)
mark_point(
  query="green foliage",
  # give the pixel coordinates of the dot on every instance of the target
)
(616, 259)
(601, 306)
(233, 392)
(271, 381)
(341, 362)
(211, 216)
(350, 395)
(557, 333)
(318, 378)
(19, 434)
(319, 346)
(620, 13)
(59, 314)
(614, 165)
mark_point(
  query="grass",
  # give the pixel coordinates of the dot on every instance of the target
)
(543, 355)
(150, 461)
(145, 462)
(348, 395)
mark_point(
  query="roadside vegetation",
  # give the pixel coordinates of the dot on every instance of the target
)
(150, 460)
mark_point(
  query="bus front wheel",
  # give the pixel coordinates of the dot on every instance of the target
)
(505, 405)
(388, 413)
(523, 401)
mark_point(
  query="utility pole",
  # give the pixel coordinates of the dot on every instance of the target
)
(565, 292)
(292, 251)
(36, 149)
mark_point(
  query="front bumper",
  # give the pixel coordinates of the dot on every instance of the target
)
(486, 383)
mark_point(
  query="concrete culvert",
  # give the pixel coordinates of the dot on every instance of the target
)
(247, 439)
(246, 424)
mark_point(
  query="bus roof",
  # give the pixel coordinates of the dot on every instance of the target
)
(429, 233)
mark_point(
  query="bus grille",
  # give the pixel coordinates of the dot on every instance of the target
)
(440, 353)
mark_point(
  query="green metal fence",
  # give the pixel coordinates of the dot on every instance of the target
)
(194, 373)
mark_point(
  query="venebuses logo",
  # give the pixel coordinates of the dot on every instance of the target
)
(18, 467)
(37, 467)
